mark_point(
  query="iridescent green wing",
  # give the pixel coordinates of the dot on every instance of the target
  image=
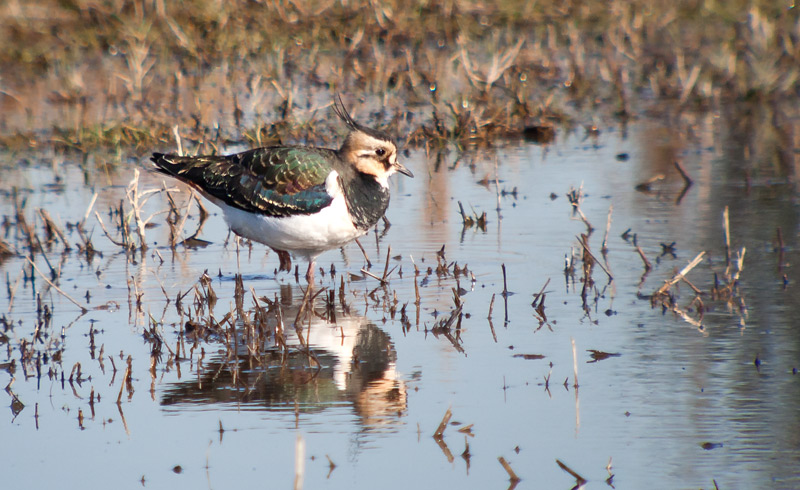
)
(275, 181)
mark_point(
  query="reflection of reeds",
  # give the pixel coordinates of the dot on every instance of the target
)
(724, 289)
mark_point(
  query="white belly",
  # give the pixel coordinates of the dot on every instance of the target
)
(307, 235)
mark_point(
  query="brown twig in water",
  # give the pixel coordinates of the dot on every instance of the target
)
(647, 265)
(511, 475)
(677, 277)
(53, 273)
(62, 293)
(575, 197)
(386, 265)
(505, 283)
(505, 294)
(727, 225)
(579, 479)
(466, 221)
(586, 249)
(122, 385)
(446, 450)
(13, 290)
(108, 235)
(52, 225)
(538, 296)
(694, 288)
(489, 318)
(604, 247)
(443, 424)
(417, 300)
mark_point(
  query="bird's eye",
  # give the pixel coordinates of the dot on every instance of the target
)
(380, 152)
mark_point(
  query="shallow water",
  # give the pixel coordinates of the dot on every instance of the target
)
(681, 406)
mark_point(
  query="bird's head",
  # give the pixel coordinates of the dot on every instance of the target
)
(370, 151)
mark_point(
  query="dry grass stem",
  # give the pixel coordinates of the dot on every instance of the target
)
(49, 283)
(581, 240)
(511, 475)
(439, 433)
(578, 478)
(680, 275)
(727, 227)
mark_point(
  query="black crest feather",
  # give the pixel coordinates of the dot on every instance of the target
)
(341, 111)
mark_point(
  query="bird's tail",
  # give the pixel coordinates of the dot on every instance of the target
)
(167, 164)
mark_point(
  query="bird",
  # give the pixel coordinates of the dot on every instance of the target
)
(300, 199)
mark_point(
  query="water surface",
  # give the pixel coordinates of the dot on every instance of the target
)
(681, 406)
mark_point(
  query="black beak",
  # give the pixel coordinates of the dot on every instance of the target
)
(402, 169)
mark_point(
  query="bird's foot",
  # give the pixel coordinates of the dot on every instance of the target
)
(286, 260)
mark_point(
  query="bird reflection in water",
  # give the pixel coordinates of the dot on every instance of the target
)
(322, 364)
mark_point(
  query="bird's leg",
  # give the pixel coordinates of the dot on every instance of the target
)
(309, 290)
(366, 257)
(310, 274)
(286, 260)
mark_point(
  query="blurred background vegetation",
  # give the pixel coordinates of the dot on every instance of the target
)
(119, 73)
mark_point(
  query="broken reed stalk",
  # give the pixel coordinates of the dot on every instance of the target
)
(108, 235)
(134, 198)
(51, 224)
(443, 424)
(122, 385)
(538, 296)
(417, 300)
(647, 265)
(489, 318)
(604, 247)
(53, 272)
(12, 293)
(88, 210)
(466, 221)
(727, 225)
(585, 220)
(677, 277)
(182, 224)
(299, 462)
(511, 475)
(62, 293)
(739, 265)
(386, 265)
(694, 288)
(5, 248)
(580, 480)
(586, 249)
